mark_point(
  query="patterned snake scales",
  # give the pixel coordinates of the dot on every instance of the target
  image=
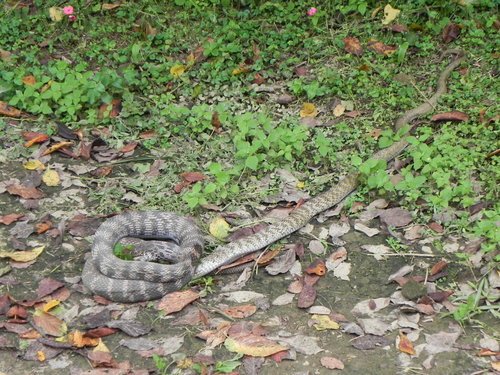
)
(131, 281)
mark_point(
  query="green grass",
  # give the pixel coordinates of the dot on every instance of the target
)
(105, 54)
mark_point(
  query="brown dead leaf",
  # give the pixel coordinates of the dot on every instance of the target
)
(353, 46)
(317, 267)
(216, 336)
(79, 340)
(450, 116)
(398, 28)
(9, 111)
(451, 32)
(17, 312)
(10, 218)
(43, 227)
(57, 146)
(405, 345)
(101, 171)
(301, 71)
(34, 138)
(240, 312)
(396, 217)
(29, 80)
(129, 147)
(193, 177)
(438, 267)
(258, 79)
(216, 124)
(148, 134)
(176, 301)
(24, 191)
(436, 227)
(381, 48)
(307, 296)
(100, 332)
(440, 296)
(48, 324)
(110, 110)
(332, 363)
(48, 286)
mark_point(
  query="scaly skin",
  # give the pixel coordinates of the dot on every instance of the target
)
(131, 281)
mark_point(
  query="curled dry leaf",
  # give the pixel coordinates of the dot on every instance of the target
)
(308, 110)
(405, 345)
(353, 46)
(22, 256)
(450, 116)
(32, 138)
(7, 110)
(56, 147)
(316, 268)
(438, 267)
(390, 14)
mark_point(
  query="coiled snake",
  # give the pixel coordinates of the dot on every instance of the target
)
(131, 281)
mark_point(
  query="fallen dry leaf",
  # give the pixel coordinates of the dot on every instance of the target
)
(352, 45)
(10, 218)
(253, 345)
(240, 312)
(29, 80)
(438, 267)
(316, 268)
(32, 138)
(451, 32)
(22, 256)
(450, 116)
(308, 110)
(56, 147)
(49, 324)
(7, 110)
(381, 48)
(332, 363)
(219, 228)
(390, 14)
(176, 301)
(24, 191)
(405, 345)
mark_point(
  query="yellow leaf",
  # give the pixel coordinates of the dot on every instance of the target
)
(106, 6)
(51, 178)
(254, 345)
(308, 110)
(56, 14)
(324, 322)
(40, 355)
(34, 165)
(22, 256)
(301, 184)
(101, 347)
(177, 70)
(390, 14)
(219, 228)
(50, 305)
(191, 59)
(339, 110)
(240, 70)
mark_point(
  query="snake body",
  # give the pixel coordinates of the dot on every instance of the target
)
(131, 281)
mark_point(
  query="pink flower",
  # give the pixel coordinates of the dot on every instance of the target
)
(311, 11)
(72, 17)
(68, 10)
